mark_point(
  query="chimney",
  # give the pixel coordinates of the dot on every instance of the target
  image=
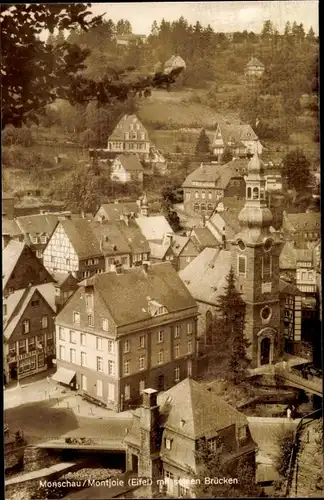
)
(149, 398)
(168, 239)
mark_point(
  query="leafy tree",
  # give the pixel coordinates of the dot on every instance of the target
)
(203, 144)
(286, 442)
(88, 139)
(296, 169)
(123, 27)
(227, 345)
(227, 156)
(17, 137)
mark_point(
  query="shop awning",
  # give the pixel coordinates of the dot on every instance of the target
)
(63, 375)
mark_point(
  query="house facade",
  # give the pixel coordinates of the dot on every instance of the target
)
(254, 68)
(114, 211)
(28, 331)
(209, 183)
(127, 168)
(130, 136)
(303, 227)
(167, 431)
(240, 140)
(122, 332)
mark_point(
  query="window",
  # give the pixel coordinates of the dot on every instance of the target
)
(184, 492)
(196, 194)
(126, 367)
(203, 207)
(62, 352)
(177, 350)
(177, 331)
(86, 274)
(39, 254)
(141, 362)
(210, 207)
(83, 339)
(76, 318)
(188, 195)
(242, 433)
(177, 373)
(83, 359)
(189, 347)
(89, 300)
(126, 346)
(124, 261)
(189, 328)
(44, 321)
(141, 386)
(241, 264)
(105, 325)
(99, 388)
(26, 326)
(142, 341)
(188, 259)
(203, 195)
(161, 357)
(33, 362)
(22, 346)
(111, 392)
(99, 343)
(41, 360)
(83, 382)
(72, 337)
(72, 355)
(110, 346)
(34, 240)
(67, 262)
(196, 207)
(212, 444)
(90, 320)
(249, 193)
(310, 275)
(35, 303)
(61, 333)
(160, 336)
(127, 392)
(31, 344)
(168, 443)
(255, 193)
(99, 364)
(111, 367)
(43, 239)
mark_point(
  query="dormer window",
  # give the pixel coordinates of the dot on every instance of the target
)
(242, 433)
(76, 318)
(89, 300)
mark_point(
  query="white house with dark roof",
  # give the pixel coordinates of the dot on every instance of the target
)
(114, 211)
(129, 136)
(174, 62)
(127, 168)
(240, 140)
(254, 68)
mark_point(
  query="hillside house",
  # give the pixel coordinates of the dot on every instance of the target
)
(303, 226)
(209, 183)
(240, 140)
(173, 63)
(114, 211)
(129, 136)
(126, 40)
(168, 429)
(122, 332)
(254, 68)
(21, 268)
(127, 168)
(28, 331)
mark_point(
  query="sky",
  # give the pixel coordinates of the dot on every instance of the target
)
(223, 16)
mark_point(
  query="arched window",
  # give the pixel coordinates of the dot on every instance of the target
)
(249, 193)
(255, 193)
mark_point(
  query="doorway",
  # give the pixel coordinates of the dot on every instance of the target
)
(134, 463)
(265, 351)
(160, 382)
(13, 371)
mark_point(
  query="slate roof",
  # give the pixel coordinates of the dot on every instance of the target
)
(19, 300)
(235, 133)
(178, 243)
(130, 163)
(126, 296)
(82, 237)
(10, 227)
(126, 238)
(61, 278)
(124, 126)
(205, 276)
(225, 219)
(154, 227)
(219, 175)
(203, 237)
(158, 250)
(254, 62)
(288, 288)
(287, 258)
(115, 210)
(10, 256)
(310, 221)
(37, 224)
(202, 411)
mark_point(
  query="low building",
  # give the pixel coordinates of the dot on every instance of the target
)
(37, 229)
(240, 140)
(127, 168)
(174, 62)
(209, 183)
(122, 332)
(21, 268)
(254, 68)
(28, 331)
(129, 136)
(168, 429)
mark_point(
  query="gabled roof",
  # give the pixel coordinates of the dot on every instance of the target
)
(37, 224)
(174, 62)
(218, 175)
(120, 237)
(226, 219)
(236, 133)
(153, 227)
(10, 227)
(205, 276)
(287, 258)
(62, 278)
(158, 250)
(127, 295)
(255, 62)
(203, 237)
(309, 221)
(19, 300)
(288, 288)
(82, 237)
(124, 125)
(130, 162)
(191, 410)
(178, 243)
(115, 210)
(10, 256)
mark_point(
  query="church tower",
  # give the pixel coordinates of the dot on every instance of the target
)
(255, 259)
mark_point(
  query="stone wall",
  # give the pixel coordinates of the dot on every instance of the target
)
(38, 458)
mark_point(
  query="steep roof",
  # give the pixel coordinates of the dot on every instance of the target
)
(82, 237)
(18, 301)
(236, 133)
(226, 219)
(120, 236)
(191, 410)
(287, 258)
(130, 162)
(174, 62)
(154, 227)
(158, 250)
(309, 221)
(288, 288)
(37, 224)
(115, 210)
(10, 256)
(124, 125)
(254, 62)
(205, 276)
(10, 227)
(127, 295)
(218, 175)
(178, 243)
(203, 237)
